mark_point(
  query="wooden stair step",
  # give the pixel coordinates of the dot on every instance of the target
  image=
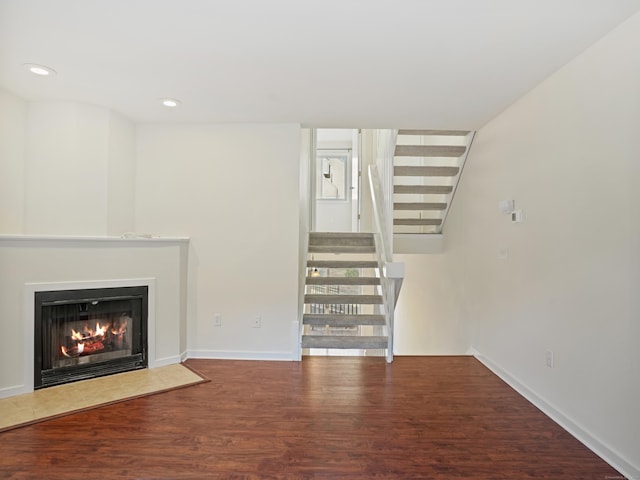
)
(343, 281)
(425, 171)
(423, 189)
(430, 150)
(342, 263)
(323, 299)
(419, 206)
(342, 249)
(343, 320)
(449, 133)
(417, 221)
(343, 341)
(341, 238)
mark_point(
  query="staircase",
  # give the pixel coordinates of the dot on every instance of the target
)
(426, 168)
(343, 300)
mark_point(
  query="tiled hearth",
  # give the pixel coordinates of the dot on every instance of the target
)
(72, 397)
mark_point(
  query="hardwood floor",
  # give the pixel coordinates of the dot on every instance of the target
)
(325, 418)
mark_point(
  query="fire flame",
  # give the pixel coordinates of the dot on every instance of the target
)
(121, 328)
(76, 335)
(100, 331)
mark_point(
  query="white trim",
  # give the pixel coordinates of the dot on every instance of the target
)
(605, 452)
(31, 288)
(15, 390)
(296, 341)
(163, 362)
(233, 355)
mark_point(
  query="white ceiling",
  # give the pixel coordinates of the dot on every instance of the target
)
(329, 63)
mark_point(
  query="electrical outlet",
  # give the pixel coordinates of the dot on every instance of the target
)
(549, 358)
(217, 320)
(257, 322)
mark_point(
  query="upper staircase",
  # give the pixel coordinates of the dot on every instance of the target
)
(344, 304)
(426, 167)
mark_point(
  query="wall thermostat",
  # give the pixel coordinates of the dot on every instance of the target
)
(516, 216)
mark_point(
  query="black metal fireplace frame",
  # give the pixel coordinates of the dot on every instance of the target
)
(138, 359)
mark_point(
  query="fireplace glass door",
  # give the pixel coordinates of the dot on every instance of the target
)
(88, 333)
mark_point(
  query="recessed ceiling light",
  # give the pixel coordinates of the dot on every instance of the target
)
(170, 102)
(41, 70)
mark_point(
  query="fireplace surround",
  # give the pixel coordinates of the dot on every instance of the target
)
(86, 333)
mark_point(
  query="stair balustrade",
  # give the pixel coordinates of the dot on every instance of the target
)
(391, 273)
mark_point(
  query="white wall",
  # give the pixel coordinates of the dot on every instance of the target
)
(428, 317)
(121, 175)
(66, 169)
(79, 166)
(569, 154)
(13, 118)
(234, 190)
(307, 160)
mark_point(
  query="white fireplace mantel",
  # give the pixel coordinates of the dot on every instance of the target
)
(132, 237)
(32, 262)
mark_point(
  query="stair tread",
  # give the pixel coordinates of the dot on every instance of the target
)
(340, 235)
(342, 249)
(430, 150)
(345, 298)
(337, 320)
(425, 171)
(343, 281)
(419, 206)
(422, 189)
(342, 263)
(343, 341)
(417, 221)
(450, 133)
(341, 239)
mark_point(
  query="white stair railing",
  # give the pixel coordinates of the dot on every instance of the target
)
(391, 273)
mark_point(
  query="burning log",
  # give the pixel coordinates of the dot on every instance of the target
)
(85, 348)
(92, 341)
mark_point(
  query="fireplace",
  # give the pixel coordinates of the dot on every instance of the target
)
(81, 334)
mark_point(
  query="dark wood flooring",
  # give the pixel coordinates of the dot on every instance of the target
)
(324, 418)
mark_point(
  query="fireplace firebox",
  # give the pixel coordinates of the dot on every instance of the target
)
(81, 334)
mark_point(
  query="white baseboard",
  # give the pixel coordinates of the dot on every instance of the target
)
(605, 452)
(15, 390)
(163, 362)
(234, 355)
